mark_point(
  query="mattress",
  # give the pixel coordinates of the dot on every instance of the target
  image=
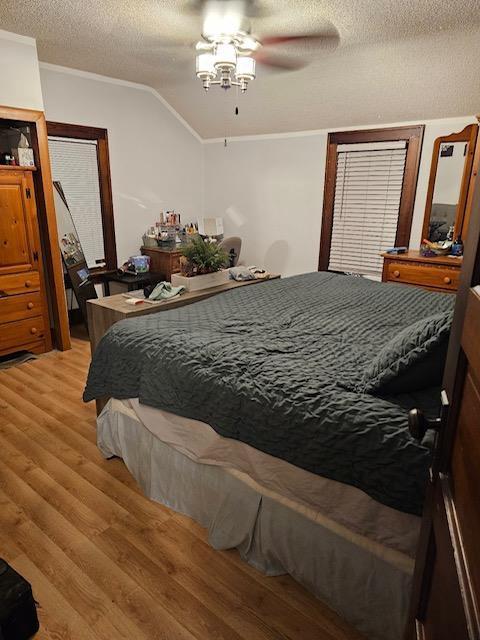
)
(352, 552)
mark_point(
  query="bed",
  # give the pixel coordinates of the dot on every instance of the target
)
(276, 417)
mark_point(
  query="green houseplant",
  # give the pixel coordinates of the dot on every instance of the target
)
(202, 265)
(201, 256)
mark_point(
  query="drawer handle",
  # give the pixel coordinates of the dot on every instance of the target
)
(396, 273)
(30, 305)
(28, 283)
(33, 330)
(447, 280)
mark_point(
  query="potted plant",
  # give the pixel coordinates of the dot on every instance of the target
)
(202, 264)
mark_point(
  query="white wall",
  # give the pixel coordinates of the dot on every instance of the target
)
(269, 189)
(19, 73)
(156, 161)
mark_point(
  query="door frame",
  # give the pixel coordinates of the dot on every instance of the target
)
(82, 132)
(47, 220)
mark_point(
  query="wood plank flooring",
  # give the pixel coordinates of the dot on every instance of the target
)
(105, 562)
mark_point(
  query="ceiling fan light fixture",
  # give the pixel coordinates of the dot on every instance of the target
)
(205, 66)
(245, 69)
(225, 56)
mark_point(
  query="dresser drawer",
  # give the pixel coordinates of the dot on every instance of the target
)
(16, 283)
(13, 335)
(28, 305)
(425, 275)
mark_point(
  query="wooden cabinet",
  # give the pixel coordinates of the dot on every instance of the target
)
(163, 260)
(24, 322)
(441, 273)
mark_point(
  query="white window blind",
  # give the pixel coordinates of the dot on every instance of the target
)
(74, 165)
(368, 191)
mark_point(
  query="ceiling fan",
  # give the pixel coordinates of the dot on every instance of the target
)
(228, 50)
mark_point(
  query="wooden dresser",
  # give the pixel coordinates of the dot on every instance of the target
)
(441, 273)
(24, 320)
(163, 260)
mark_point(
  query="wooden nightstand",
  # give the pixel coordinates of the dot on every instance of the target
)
(163, 260)
(441, 273)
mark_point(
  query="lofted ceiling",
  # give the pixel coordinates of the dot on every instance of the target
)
(396, 61)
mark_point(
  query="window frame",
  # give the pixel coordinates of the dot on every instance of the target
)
(63, 130)
(413, 135)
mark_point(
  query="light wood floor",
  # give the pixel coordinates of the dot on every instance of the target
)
(104, 561)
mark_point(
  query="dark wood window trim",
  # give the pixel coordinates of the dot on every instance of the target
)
(101, 136)
(414, 137)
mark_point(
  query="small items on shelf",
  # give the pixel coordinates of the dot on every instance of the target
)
(8, 160)
(444, 248)
(15, 145)
(168, 230)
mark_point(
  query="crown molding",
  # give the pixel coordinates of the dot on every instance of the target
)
(319, 132)
(123, 83)
(244, 138)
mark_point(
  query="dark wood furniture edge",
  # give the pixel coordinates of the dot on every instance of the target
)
(468, 135)
(328, 204)
(409, 187)
(382, 134)
(471, 187)
(47, 219)
(105, 182)
(414, 137)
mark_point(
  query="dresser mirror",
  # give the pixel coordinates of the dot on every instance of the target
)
(72, 253)
(448, 185)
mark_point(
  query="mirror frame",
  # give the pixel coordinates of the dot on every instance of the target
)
(469, 136)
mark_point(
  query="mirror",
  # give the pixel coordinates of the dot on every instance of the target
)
(72, 253)
(70, 246)
(448, 186)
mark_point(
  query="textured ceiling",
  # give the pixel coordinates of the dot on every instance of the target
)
(395, 61)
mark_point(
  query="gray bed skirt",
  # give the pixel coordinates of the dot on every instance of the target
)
(366, 584)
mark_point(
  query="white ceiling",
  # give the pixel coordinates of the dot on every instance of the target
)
(416, 59)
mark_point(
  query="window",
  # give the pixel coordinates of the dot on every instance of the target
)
(79, 160)
(370, 185)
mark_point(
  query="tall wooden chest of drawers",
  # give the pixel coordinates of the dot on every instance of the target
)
(24, 320)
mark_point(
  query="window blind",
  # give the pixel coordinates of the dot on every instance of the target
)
(74, 165)
(368, 190)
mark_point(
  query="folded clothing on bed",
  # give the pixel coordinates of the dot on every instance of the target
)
(281, 366)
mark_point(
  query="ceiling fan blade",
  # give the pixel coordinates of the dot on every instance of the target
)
(325, 38)
(277, 61)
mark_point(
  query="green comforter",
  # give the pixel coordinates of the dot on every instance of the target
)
(281, 366)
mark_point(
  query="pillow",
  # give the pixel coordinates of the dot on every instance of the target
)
(414, 359)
